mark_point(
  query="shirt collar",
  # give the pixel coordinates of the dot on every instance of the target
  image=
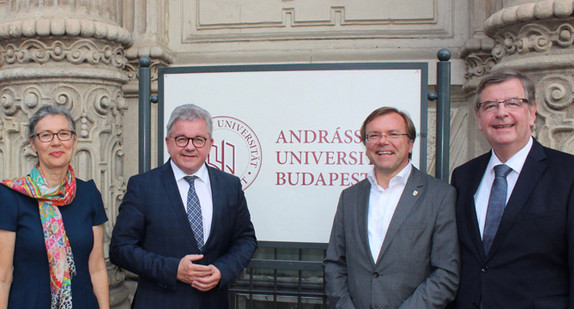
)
(202, 173)
(516, 162)
(400, 178)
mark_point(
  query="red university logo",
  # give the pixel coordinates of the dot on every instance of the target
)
(236, 149)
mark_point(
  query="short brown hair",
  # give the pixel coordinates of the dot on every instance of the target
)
(411, 130)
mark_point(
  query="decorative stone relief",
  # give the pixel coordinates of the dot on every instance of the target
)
(477, 54)
(555, 116)
(75, 52)
(133, 66)
(533, 37)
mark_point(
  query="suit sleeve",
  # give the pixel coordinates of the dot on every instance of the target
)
(242, 244)
(570, 244)
(126, 244)
(441, 285)
(337, 288)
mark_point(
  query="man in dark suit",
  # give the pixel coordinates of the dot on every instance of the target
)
(515, 207)
(393, 242)
(184, 228)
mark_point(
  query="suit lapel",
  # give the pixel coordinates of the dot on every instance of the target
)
(529, 176)
(172, 194)
(468, 205)
(218, 203)
(362, 213)
(408, 201)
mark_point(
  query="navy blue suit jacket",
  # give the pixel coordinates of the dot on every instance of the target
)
(152, 234)
(531, 261)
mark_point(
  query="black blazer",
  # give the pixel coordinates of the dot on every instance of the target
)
(152, 234)
(531, 261)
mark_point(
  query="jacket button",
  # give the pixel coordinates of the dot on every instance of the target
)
(375, 275)
(484, 269)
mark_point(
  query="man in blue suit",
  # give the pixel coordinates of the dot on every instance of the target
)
(515, 207)
(184, 228)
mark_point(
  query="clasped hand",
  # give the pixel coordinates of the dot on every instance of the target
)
(201, 277)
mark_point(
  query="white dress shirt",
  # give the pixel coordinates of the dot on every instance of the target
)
(516, 162)
(203, 190)
(382, 205)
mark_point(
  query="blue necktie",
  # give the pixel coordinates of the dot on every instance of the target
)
(496, 204)
(194, 212)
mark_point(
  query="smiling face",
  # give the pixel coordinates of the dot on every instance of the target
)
(506, 131)
(56, 154)
(388, 156)
(189, 158)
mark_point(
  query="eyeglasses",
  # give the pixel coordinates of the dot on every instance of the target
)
(511, 104)
(47, 136)
(375, 137)
(183, 141)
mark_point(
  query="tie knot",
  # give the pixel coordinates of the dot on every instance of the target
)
(502, 170)
(190, 179)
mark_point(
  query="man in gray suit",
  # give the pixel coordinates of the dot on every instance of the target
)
(394, 241)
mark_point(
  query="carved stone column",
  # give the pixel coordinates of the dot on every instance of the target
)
(477, 55)
(70, 53)
(538, 38)
(147, 21)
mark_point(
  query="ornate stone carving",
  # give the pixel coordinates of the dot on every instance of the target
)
(557, 91)
(7, 98)
(533, 37)
(555, 123)
(133, 66)
(75, 52)
(477, 54)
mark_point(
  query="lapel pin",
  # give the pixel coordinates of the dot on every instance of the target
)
(415, 193)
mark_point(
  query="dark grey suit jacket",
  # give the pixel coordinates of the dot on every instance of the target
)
(418, 266)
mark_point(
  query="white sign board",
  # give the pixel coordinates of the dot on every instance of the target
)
(291, 132)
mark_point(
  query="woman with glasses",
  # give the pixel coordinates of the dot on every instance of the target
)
(52, 226)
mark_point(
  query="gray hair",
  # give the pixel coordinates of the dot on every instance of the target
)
(503, 75)
(44, 111)
(189, 112)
